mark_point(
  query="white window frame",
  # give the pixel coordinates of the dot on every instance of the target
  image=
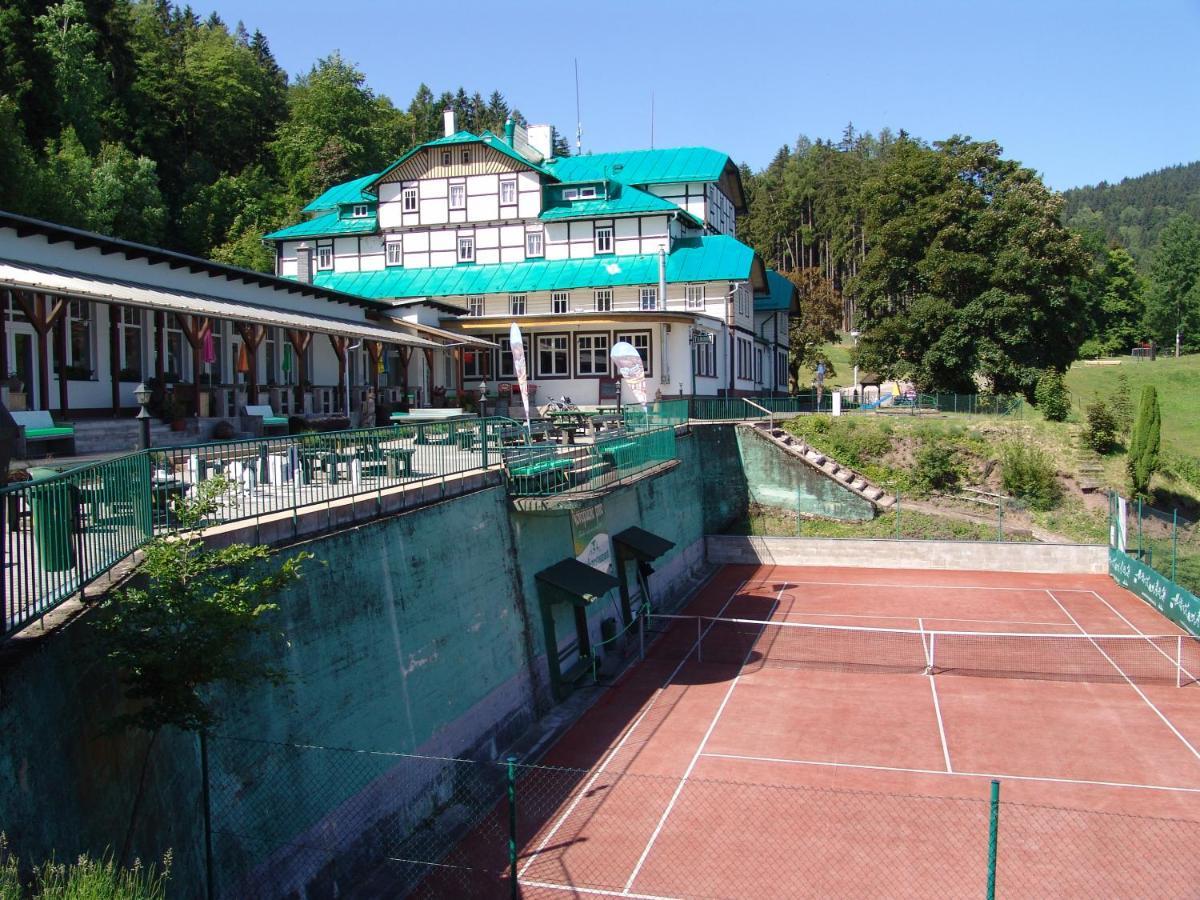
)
(570, 194)
(554, 344)
(587, 193)
(595, 368)
(704, 358)
(325, 258)
(532, 237)
(695, 296)
(467, 243)
(635, 338)
(475, 306)
(462, 196)
(560, 303)
(465, 156)
(393, 253)
(517, 304)
(360, 211)
(603, 300)
(410, 199)
(508, 186)
(447, 157)
(505, 355)
(80, 312)
(648, 298)
(604, 239)
(476, 362)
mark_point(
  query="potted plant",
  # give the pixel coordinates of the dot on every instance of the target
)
(172, 412)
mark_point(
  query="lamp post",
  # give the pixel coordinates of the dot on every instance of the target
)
(141, 394)
(855, 334)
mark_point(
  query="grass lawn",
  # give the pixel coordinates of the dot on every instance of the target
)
(1178, 384)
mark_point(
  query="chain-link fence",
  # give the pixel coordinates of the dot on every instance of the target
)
(294, 820)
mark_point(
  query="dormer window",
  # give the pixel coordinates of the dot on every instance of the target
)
(570, 193)
(587, 193)
(360, 211)
(466, 157)
(447, 156)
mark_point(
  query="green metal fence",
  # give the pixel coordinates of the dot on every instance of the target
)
(420, 826)
(546, 469)
(744, 408)
(1145, 557)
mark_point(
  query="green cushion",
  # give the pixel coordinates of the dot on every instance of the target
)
(275, 420)
(549, 465)
(57, 431)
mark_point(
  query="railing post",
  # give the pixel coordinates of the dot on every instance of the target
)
(209, 887)
(993, 834)
(514, 887)
(1179, 660)
(1174, 540)
(642, 632)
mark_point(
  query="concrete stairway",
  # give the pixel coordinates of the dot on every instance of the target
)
(815, 459)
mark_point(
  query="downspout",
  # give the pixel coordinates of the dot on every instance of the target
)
(665, 369)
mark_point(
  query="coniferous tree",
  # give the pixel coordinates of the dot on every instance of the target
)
(1142, 461)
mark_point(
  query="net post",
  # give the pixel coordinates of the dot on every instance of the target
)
(511, 777)
(932, 644)
(1179, 660)
(699, 638)
(993, 834)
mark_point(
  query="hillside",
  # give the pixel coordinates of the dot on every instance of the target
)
(1134, 210)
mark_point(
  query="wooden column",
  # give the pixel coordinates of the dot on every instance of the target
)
(374, 352)
(252, 337)
(60, 360)
(160, 328)
(4, 335)
(458, 370)
(405, 359)
(43, 315)
(339, 348)
(432, 374)
(195, 329)
(300, 341)
(114, 354)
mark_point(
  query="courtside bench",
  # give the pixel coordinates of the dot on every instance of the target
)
(542, 476)
(38, 426)
(619, 453)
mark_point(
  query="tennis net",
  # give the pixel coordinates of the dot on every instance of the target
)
(1153, 659)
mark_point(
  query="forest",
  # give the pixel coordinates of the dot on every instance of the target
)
(959, 267)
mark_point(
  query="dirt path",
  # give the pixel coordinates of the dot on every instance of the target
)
(933, 509)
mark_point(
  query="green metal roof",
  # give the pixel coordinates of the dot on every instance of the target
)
(711, 258)
(781, 294)
(326, 225)
(465, 137)
(623, 200)
(643, 166)
(578, 580)
(346, 192)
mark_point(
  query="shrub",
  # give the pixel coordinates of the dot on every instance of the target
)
(1101, 430)
(936, 468)
(1121, 404)
(1029, 474)
(1142, 461)
(1051, 396)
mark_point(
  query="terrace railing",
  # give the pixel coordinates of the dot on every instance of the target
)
(547, 470)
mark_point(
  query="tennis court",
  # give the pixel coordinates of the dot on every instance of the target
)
(836, 732)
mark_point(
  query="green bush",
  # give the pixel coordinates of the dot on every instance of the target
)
(936, 468)
(1101, 430)
(1029, 474)
(1051, 396)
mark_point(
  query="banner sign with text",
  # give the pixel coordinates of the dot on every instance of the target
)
(593, 547)
(1180, 606)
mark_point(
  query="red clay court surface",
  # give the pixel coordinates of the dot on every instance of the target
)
(738, 776)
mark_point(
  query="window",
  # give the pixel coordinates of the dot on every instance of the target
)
(474, 306)
(570, 193)
(458, 196)
(131, 343)
(174, 340)
(476, 362)
(758, 360)
(466, 249)
(745, 359)
(552, 355)
(641, 343)
(587, 193)
(648, 298)
(591, 354)
(516, 304)
(508, 192)
(466, 157)
(604, 240)
(80, 329)
(395, 253)
(324, 258)
(781, 369)
(743, 300)
(360, 211)
(704, 358)
(604, 301)
(505, 369)
(408, 199)
(695, 296)
(446, 157)
(533, 243)
(560, 302)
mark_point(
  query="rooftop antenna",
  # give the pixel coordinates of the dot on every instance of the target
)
(578, 116)
(652, 120)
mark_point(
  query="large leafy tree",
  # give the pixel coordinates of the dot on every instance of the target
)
(969, 272)
(817, 324)
(1122, 304)
(1173, 307)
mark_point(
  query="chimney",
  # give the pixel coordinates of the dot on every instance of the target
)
(304, 267)
(541, 138)
(510, 129)
(448, 120)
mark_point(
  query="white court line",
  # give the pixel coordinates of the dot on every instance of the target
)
(692, 765)
(1128, 680)
(998, 775)
(616, 749)
(828, 615)
(789, 582)
(1190, 676)
(599, 892)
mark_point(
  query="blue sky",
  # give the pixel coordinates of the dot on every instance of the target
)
(1080, 91)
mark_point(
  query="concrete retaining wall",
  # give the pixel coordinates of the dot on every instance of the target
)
(891, 554)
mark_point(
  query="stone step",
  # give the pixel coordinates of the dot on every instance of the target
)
(859, 484)
(872, 493)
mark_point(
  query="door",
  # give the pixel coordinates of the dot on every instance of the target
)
(21, 354)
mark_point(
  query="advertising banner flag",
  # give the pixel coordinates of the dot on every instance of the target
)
(517, 345)
(1120, 536)
(629, 364)
(593, 546)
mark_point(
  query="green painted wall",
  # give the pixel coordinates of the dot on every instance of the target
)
(774, 478)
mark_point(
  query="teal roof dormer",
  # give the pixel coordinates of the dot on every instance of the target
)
(621, 200)
(331, 224)
(347, 192)
(781, 295)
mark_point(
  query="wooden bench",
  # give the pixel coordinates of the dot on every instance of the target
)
(39, 426)
(259, 419)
